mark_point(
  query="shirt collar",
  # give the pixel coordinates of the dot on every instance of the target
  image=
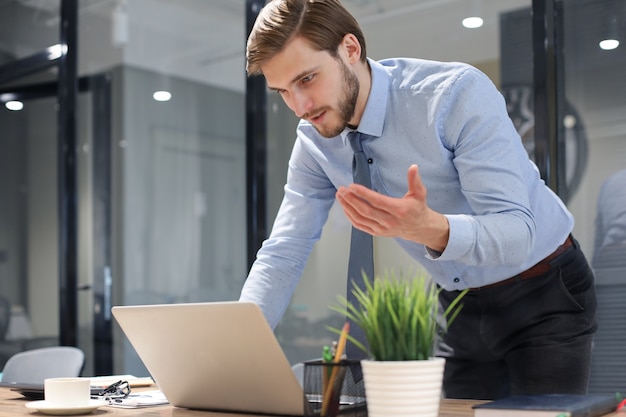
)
(373, 118)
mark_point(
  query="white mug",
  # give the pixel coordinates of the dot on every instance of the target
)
(67, 392)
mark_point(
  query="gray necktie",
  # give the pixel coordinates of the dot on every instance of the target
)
(361, 251)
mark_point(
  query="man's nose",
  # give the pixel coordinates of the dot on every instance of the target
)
(301, 104)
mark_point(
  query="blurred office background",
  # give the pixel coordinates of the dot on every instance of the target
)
(147, 187)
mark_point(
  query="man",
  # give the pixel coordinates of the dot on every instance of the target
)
(450, 180)
(610, 235)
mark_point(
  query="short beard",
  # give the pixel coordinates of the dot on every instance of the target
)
(349, 94)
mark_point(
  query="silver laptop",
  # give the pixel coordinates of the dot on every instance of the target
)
(220, 356)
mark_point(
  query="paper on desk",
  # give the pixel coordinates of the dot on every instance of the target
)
(141, 399)
(133, 381)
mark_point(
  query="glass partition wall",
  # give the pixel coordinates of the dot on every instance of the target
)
(178, 155)
(594, 135)
(161, 204)
(38, 186)
(162, 175)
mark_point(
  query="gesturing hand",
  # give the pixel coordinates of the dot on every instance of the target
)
(408, 217)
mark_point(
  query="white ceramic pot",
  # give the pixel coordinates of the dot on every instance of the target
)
(403, 388)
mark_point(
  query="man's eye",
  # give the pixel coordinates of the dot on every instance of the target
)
(307, 79)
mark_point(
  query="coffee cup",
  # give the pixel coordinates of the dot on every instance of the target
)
(67, 392)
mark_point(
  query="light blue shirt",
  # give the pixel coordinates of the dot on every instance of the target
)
(450, 120)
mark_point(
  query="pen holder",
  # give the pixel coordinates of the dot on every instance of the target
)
(334, 388)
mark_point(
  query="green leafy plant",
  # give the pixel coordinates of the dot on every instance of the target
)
(398, 316)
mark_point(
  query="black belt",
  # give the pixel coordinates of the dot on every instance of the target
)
(539, 269)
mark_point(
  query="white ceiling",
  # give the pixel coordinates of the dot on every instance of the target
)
(204, 40)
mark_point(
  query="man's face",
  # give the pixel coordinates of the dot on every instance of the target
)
(314, 85)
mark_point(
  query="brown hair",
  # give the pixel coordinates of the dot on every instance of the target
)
(323, 23)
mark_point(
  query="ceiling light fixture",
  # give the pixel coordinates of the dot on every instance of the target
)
(14, 105)
(472, 22)
(608, 44)
(56, 51)
(162, 95)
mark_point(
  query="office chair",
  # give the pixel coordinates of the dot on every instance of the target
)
(34, 366)
(298, 370)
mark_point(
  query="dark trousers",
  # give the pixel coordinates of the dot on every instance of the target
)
(529, 336)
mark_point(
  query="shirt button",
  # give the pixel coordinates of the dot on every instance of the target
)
(457, 279)
(370, 160)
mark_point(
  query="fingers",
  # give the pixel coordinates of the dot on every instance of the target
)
(363, 199)
(382, 215)
(360, 207)
(416, 187)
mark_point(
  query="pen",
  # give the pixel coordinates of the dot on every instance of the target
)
(341, 345)
(327, 356)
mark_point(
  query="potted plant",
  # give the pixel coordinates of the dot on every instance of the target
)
(399, 317)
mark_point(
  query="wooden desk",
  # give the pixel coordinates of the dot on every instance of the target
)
(13, 404)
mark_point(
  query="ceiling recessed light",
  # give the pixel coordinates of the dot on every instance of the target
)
(569, 121)
(162, 95)
(56, 51)
(609, 44)
(14, 105)
(472, 22)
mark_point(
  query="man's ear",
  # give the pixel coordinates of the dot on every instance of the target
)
(350, 48)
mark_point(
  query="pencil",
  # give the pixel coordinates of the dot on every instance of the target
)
(341, 345)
